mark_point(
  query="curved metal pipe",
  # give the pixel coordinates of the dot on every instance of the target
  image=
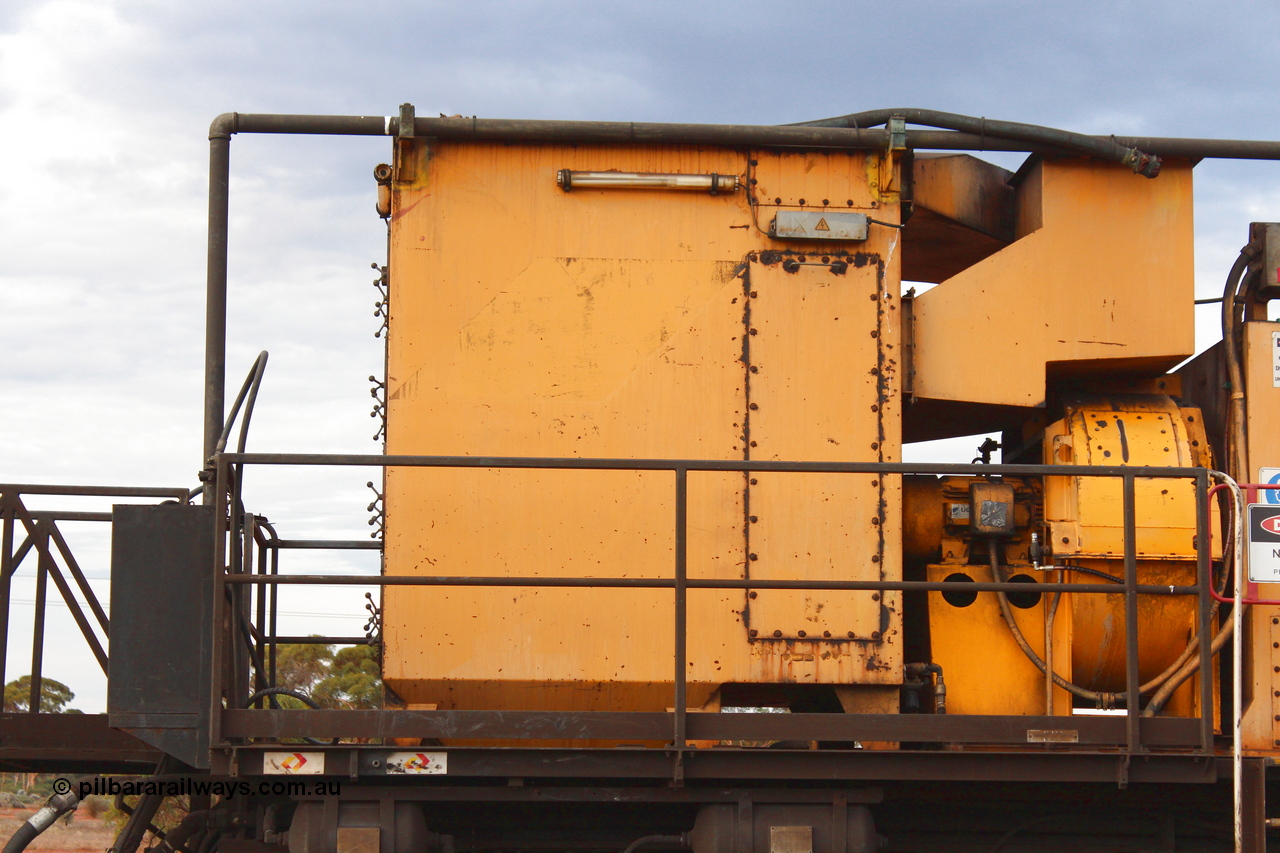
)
(1106, 149)
(681, 840)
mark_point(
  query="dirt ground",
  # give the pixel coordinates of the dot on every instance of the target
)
(84, 833)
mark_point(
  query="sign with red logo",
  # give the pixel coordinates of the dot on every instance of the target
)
(293, 763)
(418, 763)
(1264, 543)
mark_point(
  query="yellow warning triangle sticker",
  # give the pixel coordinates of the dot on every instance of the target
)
(822, 225)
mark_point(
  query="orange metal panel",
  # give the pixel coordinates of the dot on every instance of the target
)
(1103, 284)
(1261, 723)
(530, 321)
(824, 386)
(986, 671)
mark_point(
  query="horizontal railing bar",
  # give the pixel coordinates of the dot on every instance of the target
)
(323, 544)
(654, 726)
(324, 641)
(706, 583)
(744, 466)
(59, 515)
(97, 491)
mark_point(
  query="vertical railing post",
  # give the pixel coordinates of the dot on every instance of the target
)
(1133, 700)
(219, 632)
(41, 537)
(260, 603)
(682, 556)
(1204, 578)
(6, 569)
(271, 629)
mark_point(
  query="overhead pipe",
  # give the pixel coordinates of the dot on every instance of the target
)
(1104, 148)
(985, 136)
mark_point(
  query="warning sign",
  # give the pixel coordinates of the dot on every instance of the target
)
(1271, 477)
(822, 225)
(418, 763)
(1264, 543)
(293, 763)
(1275, 357)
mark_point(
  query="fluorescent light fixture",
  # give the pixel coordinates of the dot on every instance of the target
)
(713, 183)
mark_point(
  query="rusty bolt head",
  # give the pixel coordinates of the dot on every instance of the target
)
(753, 632)
(777, 634)
(875, 635)
(752, 557)
(754, 519)
(754, 406)
(826, 633)
(875, 596)
(752, 594)
(852, 635)
(754, 481)
(800, 633)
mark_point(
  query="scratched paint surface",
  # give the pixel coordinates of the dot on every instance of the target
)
(527, 321)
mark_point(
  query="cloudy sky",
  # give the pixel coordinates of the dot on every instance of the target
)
(104, 107)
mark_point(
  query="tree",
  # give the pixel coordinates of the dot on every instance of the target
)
(351, 677)
(354, 679)
(54, 696)
(301, 666)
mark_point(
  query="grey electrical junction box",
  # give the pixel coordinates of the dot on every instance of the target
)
(819, 225)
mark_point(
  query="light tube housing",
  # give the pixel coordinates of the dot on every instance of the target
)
(713, 183)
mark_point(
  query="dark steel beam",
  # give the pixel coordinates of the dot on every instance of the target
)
(1088, 731)
(81, 743)
(719, 766)
(323, 544)
(95, 491)
(594, 794)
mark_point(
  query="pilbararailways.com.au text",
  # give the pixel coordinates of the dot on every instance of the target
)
(106, 786)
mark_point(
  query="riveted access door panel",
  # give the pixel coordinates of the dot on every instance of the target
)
(822, 360)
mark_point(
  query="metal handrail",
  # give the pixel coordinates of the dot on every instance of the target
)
(44, 537)
(680, 583)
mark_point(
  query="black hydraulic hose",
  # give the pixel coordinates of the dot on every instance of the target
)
(681, 840)
(1095, 572)
(1186, 665)
(127, 810)
(1107, 149)
(54, 808)
(939, 685)
(1237, 451)
(143, 811)
(272, 692)
(1105, 699)
(194, 824)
